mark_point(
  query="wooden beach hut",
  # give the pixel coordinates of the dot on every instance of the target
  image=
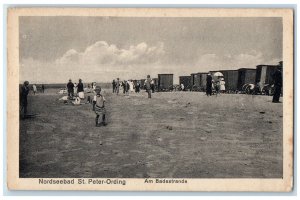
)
(186, 81)
(165, 82)
(246, 76)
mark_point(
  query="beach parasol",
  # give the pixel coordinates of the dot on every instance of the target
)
(218, 74)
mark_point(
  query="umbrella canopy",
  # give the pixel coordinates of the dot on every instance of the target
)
(218, 74)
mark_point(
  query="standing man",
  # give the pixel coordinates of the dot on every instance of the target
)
(80, 89)
(137, 87)
(70, 87)
(114, 85)
(23, 97)
(148, 85)
(277, 77)
(124, 86)
(43, 88)
(208, 85)
(117, 86)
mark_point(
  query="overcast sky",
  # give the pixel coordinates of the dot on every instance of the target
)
(54, 49)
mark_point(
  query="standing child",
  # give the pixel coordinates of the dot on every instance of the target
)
(98, 107)
(222, 85)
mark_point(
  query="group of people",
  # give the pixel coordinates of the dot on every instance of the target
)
(75, 89)
(218, 85)
(76, 93)
(133, 86)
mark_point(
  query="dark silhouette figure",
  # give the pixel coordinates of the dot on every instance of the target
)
(277, 77)
(208, 85)
(70, 87)
(114, 86)
(43, 88)
(23, 97)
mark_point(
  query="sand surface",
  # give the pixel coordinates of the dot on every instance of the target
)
(172, 135)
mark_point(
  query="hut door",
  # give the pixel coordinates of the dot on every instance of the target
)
(263, 77)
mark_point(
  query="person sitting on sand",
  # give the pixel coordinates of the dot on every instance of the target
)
(76, 102)
(99, 107)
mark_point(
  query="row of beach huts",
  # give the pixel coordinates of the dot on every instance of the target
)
(234, 79)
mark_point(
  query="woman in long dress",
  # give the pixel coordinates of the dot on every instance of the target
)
(131, 86)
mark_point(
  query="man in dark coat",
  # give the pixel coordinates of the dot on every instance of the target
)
(208, 85)
(277, 77)
(117, 86)
(80, 86)
(124, 86)
(43, 88)
(70, 87)
(114, 86)
(23, 96)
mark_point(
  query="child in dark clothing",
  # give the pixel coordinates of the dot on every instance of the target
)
(98, 107)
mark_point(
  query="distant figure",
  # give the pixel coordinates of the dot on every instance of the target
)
(23, 97)
(127, 87)
(217, 87)
(137, 87)
(80, 89)
(70, 87)
(148, 85)
(208, 85)
(99, 107)
(124, 86)
(117, 86)
(131, 86)
(152, 85)
(277, 77)
(114, 86)
(222, 85)
(34, 89)
(182, 87)
(43, 88)
(75, 88)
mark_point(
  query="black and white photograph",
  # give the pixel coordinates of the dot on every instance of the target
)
(165, 99)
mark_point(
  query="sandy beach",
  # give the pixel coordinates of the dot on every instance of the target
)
(172, 135)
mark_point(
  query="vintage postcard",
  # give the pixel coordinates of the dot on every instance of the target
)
(150, 99)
